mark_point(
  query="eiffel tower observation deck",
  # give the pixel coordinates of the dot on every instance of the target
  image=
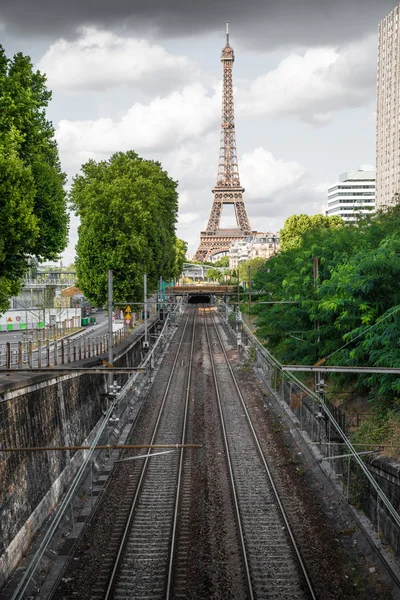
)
(227, 189)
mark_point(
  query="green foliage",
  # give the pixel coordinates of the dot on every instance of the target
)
(180, 256)
(214, 275)
(377, 427)
(128, 210)
(254, 264)
(297, 225)
(222, 262)
(32, 199)
(356, 301)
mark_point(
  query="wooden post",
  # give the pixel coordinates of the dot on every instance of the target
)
(30, 354)
(55, 347)
(48, 352)
(40, 354)
(62, 352)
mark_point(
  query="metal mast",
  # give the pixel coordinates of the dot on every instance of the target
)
(228, 189)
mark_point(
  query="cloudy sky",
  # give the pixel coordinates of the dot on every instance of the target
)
(128, 74)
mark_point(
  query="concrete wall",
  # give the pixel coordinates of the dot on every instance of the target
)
(44, 411)
(386, 471)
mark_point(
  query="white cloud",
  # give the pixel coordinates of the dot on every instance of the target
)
(98, 60)
(181, 130)
(314, 84)
(263, 175)
(310, 86)
(163, 124)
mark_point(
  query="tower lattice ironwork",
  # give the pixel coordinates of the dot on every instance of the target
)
(228, 189)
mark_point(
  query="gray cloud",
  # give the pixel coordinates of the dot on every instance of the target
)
(256, 23)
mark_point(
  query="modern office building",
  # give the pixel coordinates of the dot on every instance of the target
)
(388, 112)
(354, 194)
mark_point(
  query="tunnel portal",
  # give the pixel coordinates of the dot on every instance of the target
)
(199, 299)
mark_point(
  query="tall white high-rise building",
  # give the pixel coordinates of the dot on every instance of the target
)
(354, 194)
(388, 112)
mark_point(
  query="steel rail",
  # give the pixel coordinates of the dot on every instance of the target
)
(62, 507)
(179, 480)
(267, 469)
(320, 402)
(234, 494)
(124, 539)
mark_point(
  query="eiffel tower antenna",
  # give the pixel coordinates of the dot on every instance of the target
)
(228, 189)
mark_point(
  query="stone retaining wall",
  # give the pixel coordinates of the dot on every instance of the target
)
(46, 411)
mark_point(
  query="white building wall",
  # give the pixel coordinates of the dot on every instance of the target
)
(261, 245)
(353, 195)
(388, 111)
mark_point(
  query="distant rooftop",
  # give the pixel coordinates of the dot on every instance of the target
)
(364, 172)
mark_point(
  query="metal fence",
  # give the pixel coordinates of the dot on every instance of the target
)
(325, 424)
(122, 404)
(49, 353)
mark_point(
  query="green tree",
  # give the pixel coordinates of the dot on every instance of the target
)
(222, 262)
(128, 210)
(32, 199)
(357, 300)
(213, 274)
(254, 264)
(296, 226)
(180, 256)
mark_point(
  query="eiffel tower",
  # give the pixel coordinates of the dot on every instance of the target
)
(228, 189)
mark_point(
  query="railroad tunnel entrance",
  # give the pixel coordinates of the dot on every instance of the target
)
(199, 299)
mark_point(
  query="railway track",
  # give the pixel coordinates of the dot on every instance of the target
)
(273, 565)
(144, 564)
(201, 525)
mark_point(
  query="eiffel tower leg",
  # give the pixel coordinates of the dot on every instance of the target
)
(215, 216)
(201, 254)
(241, 217)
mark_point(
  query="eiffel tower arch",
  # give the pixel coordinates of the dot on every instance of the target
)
(227, 189)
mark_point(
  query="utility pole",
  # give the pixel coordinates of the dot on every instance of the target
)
(146, 339)
(110, 323)
(316, 276)
(248, 272)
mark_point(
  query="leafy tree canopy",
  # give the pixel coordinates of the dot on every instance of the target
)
(180, 257)
(296, 226)
(214, 275)
(251, 266)
(222, 262)
(128, 209)
(356, 300)
(32, 199)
